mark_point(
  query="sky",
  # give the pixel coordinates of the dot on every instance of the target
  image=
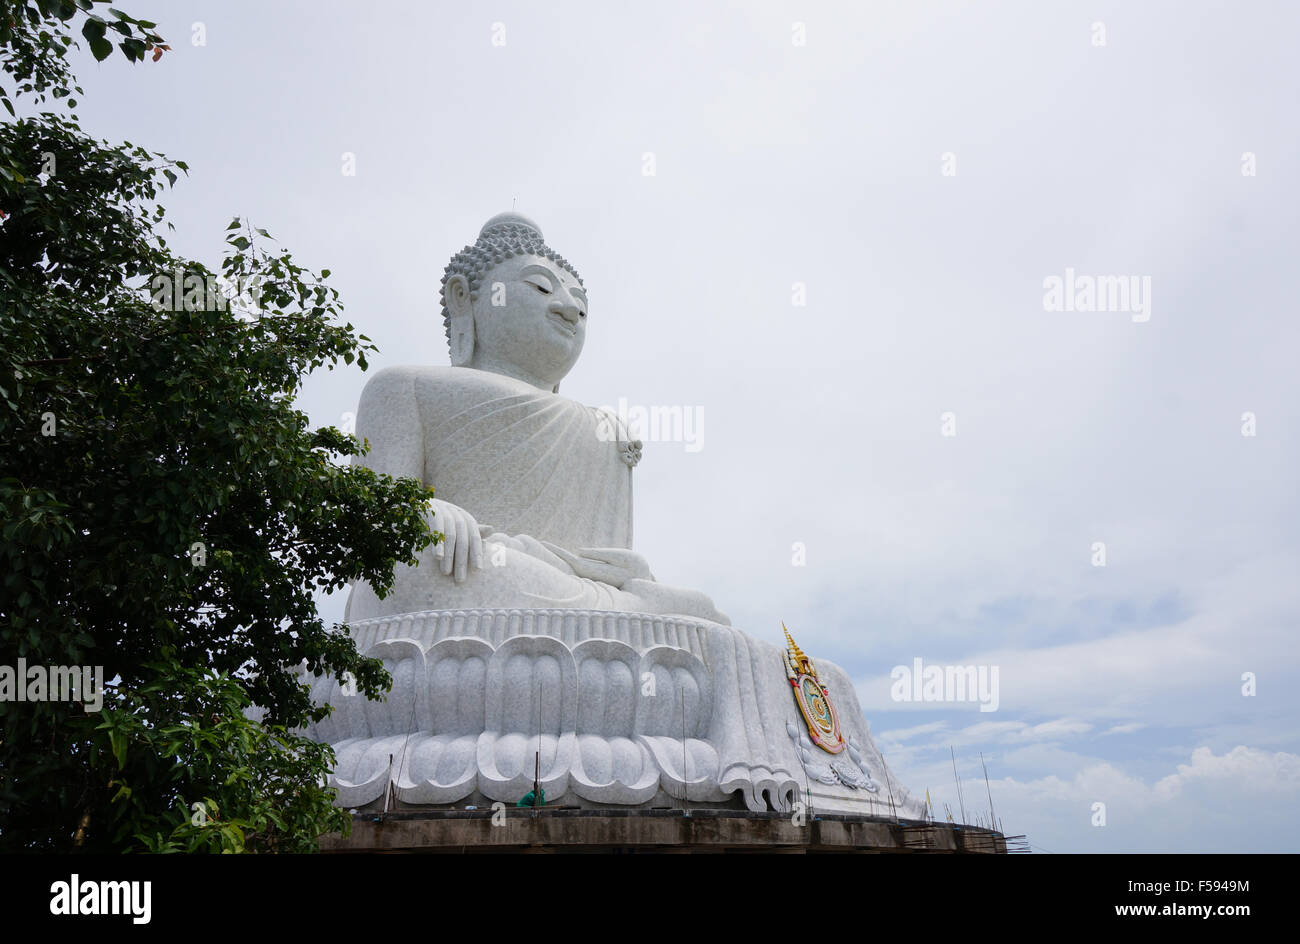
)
(830, 232)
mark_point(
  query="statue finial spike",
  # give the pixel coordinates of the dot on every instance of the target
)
(794, 646)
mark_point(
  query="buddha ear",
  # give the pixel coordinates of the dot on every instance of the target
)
(460, 312)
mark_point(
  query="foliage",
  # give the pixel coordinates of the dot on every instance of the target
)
(237, 785)
(165, 512)
(34, 44)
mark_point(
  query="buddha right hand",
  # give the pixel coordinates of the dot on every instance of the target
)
(462, 543)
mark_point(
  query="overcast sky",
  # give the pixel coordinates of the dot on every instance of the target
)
(921, 169)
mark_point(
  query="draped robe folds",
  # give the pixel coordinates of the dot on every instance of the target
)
(547, 475)
(533, 463)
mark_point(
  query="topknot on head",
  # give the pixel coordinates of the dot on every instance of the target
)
(511, 223)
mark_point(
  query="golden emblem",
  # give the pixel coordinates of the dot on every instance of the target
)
(812, 697)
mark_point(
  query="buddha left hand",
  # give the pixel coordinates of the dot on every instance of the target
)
(612, 565)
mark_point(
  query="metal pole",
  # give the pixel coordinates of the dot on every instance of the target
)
(992, 819)
(958, 779)
(686, 779)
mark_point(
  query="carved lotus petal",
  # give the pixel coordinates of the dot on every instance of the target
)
(531, 711)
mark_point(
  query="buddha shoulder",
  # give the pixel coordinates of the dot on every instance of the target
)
(437, 387)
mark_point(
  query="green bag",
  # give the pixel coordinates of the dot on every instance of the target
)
(530, 800)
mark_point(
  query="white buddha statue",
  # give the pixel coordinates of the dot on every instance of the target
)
(534, 494)
(533, 640)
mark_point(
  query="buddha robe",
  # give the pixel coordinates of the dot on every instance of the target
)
(544, 476)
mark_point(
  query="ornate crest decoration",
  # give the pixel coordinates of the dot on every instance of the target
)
(812, 697)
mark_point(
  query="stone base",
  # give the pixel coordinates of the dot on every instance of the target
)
(651, 831)
(616, 709)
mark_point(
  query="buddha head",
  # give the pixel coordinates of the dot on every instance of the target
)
(514, 306)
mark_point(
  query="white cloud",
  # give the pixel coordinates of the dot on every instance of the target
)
(1243, 770)
(1235, 801)
(1130, 728)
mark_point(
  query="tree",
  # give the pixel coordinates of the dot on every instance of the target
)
(165, 511)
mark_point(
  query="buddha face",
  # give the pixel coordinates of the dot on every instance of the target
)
(529, 320)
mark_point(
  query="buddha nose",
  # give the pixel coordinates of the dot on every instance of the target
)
(568, 310)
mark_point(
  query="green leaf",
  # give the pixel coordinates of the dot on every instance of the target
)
(100, 48)
(118, 742)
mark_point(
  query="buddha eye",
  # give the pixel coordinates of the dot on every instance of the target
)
(541, 288)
